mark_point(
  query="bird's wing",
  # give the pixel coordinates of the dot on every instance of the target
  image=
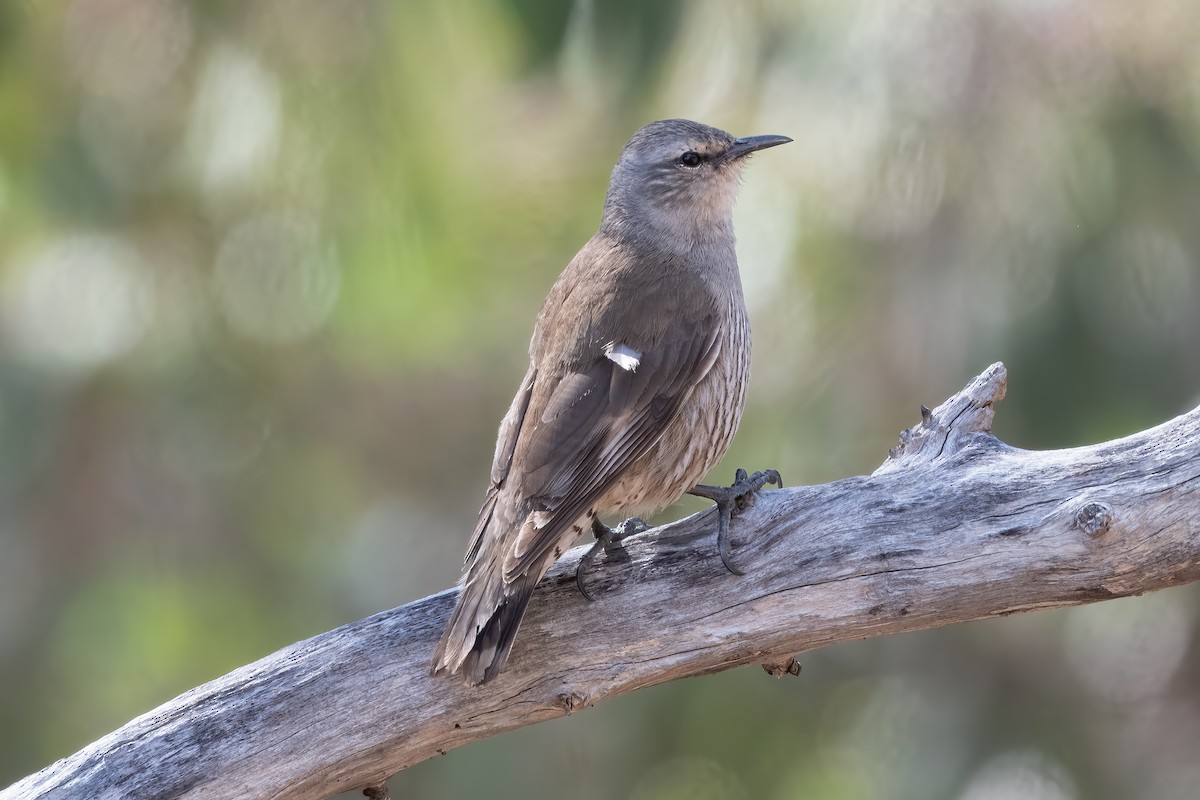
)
(598, 419)
(506, 444)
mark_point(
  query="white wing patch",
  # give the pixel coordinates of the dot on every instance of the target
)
(623, 356)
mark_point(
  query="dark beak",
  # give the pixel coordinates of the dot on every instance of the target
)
(747, 145)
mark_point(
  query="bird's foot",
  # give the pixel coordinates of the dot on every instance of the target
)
(607, 539)
(734, 499)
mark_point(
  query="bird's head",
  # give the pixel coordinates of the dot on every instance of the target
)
(678, 178)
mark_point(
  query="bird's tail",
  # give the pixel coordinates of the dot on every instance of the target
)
(484, 623)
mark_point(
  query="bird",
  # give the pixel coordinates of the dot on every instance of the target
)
(638, 367)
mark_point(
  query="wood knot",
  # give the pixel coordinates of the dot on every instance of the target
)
(778, 670)
(1095, 518)
(571, 701)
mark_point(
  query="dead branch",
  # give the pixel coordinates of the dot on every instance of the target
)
(954, 526)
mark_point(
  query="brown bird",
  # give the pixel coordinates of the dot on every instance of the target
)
(636, 383)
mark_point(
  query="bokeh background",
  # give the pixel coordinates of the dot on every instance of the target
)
(268, 271)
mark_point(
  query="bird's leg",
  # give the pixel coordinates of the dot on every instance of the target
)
(734, 499)
(607, 539)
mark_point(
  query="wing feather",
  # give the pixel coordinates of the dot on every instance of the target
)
(506, 445)
(609, 418)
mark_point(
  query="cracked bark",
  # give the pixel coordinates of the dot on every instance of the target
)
(954, 526)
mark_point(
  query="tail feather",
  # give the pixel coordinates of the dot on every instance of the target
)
(491, 602)
(495, 640)
(483, 627)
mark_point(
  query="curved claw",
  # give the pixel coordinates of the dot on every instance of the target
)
(606, 539)
(584, 566)
(768, 477)
(731, 499)
(726, 513)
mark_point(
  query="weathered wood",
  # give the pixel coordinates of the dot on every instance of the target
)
(954, 526)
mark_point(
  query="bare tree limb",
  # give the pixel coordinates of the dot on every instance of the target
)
(954, 526)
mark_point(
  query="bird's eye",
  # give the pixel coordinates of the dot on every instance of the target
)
(690, 159)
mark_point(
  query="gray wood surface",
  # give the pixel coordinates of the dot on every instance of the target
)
(954, 526)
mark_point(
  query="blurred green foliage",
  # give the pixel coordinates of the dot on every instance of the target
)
(268, 271)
